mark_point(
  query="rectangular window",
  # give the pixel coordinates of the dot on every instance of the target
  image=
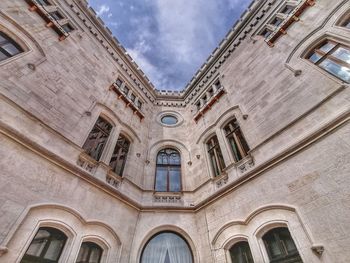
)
(119, 82)
(266, 33)
(139, 104)
(97, 138)
(44, 2)
(126, 90)
(67, 27)
(287, 10)
(132, 97)
(276, 22)
(56, 15)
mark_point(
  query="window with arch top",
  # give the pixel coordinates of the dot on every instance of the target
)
(280, 246)
(332, 57)
(240, 253)
(46, 247)
(89, 253)
(168, 171)
(8, 47)
(215, 155)
(119, 156)
(166, 247)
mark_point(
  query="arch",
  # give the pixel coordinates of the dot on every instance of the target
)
(168, 228)
(161, 144)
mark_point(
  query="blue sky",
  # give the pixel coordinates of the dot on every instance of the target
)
(169, 39)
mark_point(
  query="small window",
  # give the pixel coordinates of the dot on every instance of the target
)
(168, 171)
(205, 98)
(276, 22)
(97, 139)
(139, 104)
(46, 247)
(89, 253)
(67, 27)
(240, 253)
(56, 15)
(169, 120)
(346, 23)
(126, 90)
(280, 246)
(132, 97)
(119, 155)
(119, 82)
(211, 92)
(8, 47)
(44, 2)
(198, 105)
(334, 58)
(287, 10)
(215, 156)
(239, 146)
(218, 84)
(266, 33)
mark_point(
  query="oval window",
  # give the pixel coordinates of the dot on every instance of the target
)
(169, 120)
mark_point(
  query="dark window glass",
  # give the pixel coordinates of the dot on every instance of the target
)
(333, 58)
(139, 104)
(119, 82)
(44, 2)
(46, 247)
(240, 253)
(56, 15)
(239, 146)
(287, 10)
(97, 139)
(281, 247)
(266, 33)
(89, 253)
(215, 155)
(67, 27)
(276, 22)
(168, 171)
(346, 24)
(169, 120)
(8, 48)
(126, 90)
(132, 97)
(119, 155)
(167, 247)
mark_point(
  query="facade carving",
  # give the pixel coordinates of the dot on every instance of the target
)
(250, 160)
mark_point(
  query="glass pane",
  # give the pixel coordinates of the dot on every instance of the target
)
(11, 49)
(327, 47)
(347, 24)
(342, 54)
(234, 149)
(3, 56)
(166, 248)
(242, 141)
(161, 179)
(169, 120)
(175, 179)
(214, 163)
(287, 10)
(54, 249)
(240, 253)
(83, 255)
(336, 69)
(315, 57)
(95, 255)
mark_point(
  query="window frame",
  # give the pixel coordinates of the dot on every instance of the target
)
(122, 147)
(235, 244)
(315, 49)
(89, 253)
(168, 166)
(9, 39)
(214, 147)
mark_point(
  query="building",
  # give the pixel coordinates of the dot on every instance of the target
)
(249, 163)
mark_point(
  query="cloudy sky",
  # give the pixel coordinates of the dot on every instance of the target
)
(169, 39)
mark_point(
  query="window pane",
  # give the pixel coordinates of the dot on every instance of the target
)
(161, 179)
(315, 57)
(11, 49)
(214, 163)
(119, 156)
(169, 120)
(54, 249)
(234, 149)
(338, 70)
(327, 47)
(342, 54)
(240, 253)
(175, 179)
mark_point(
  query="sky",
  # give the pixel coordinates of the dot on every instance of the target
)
(169, 39)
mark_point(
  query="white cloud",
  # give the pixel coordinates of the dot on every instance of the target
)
(102, 10)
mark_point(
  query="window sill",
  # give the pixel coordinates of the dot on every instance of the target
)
(167, 197)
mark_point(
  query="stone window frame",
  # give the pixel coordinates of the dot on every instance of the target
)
(17, 41)
(211, 168)
(98, 241)
(315, 45)
(124, 85)
(127, 137)
(344, 18)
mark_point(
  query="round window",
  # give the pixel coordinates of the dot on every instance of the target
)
(169, 120)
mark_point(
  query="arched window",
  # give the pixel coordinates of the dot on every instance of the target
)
(280, 246)
(89, 253)
(119, 155)
(46, 247)
(168, 171)
(240, 253)
(333, 57)
(215, 155)
(239, 146)
(8, 47)
(97, 138)
(166, 247)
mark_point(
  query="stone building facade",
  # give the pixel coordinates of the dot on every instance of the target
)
(258, 141)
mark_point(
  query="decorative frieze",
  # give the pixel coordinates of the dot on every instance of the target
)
(166, 198)
(87, 163)
(246, 164)
(113, 180)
